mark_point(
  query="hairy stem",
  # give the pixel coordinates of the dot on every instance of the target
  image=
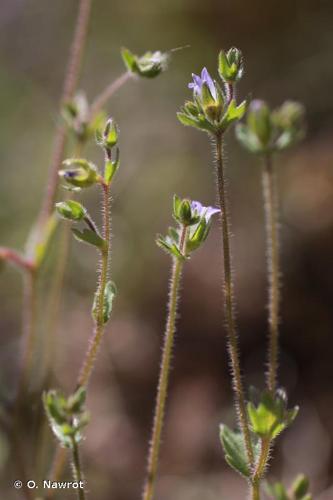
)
(108, 92)
(260, 468)
(273, 269)
(262, 460)
(229, 302)
(255, 491)
(69, 87)
(77, 469)
(162, 391)
(90, 358)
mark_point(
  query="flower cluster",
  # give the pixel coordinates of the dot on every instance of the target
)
(67, 416)
(267, 131)
(213, 108)
(150, 65)
(194, 222)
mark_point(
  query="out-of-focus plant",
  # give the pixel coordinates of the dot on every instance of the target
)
(299, 490)
(67, 417)
(213, 109)
(193, 225)
(266, 133)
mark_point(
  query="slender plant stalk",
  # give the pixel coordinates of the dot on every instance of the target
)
(29, 330)
(18, 260)
(273, 269)
(108, 92)
(272, 243)
(70, 84)
(229, 302)
(260, 467)
(29, 323)
(255, 491)
(90, 358)
(162, 391)
(77, 469)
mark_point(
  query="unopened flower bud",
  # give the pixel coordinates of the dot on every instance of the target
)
(71, 210)
(80, 173)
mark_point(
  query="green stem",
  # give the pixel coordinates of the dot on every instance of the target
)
(89, 361)
(229, 302)
(162, 391)
(255, 491)
(260, 468)
(273, 269)
(77, 469)
(108, 92)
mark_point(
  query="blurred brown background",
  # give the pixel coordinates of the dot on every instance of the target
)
(287, 47)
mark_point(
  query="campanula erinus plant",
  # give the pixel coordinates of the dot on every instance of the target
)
(193, 225)
(48, 411)
(213, 109)
(78, 122)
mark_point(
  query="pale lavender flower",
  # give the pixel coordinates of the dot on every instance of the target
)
(198, 82)
(202, 211)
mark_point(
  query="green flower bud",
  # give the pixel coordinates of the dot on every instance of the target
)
(71, 210)
(110, 134)
(289, 115)
(150, 65)
(81, 173)
(259, 122)
(300, 487)
(230, 65)
(271, 416)
(76, 116)
(289, 122)
(183, 211)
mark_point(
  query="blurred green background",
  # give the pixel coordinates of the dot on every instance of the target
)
(287, 47)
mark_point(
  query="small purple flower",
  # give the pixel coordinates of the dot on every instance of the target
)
(198, 82)
(202, 211)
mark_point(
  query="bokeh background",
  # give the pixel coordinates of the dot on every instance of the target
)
(287, 47)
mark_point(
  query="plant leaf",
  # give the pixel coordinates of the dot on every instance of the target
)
(90, 237)
(234, 449)
(110, 292)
